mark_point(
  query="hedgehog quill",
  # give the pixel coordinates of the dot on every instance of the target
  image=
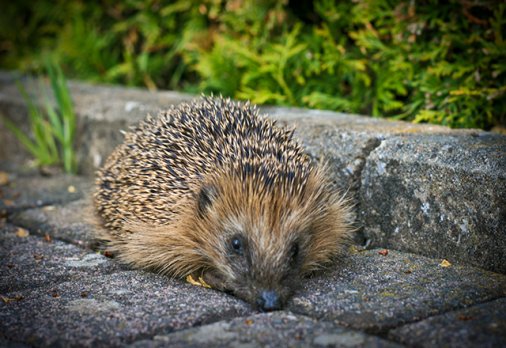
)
(212, 190)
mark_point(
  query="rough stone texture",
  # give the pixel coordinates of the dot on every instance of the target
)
(479, 326)
(374, 293)
(110, 310)
(418, 188)
(279, 329)
(33, 261)
(33, 190)
(57, 294)
(71, 222)
(440, 196)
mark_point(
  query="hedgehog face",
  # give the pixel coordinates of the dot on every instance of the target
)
(264, 271)
(257, 263)
(260, 243)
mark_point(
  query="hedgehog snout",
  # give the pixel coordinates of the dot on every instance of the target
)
(268, 300)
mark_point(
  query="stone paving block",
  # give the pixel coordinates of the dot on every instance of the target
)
(22, 192)
(375, 293)
(32, 261)
(72, 222)
(277, 329)
(111, 310)
(483, 325)
(438, 196)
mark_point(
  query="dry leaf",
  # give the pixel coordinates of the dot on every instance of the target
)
(4, 178)
(47, 238)
(248, 322)
(22, 233)
(445, 263)
(383, 252)
(17, 298)
(71, 189)
(8, 202)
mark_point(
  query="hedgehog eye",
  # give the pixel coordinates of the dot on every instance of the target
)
(236, 245)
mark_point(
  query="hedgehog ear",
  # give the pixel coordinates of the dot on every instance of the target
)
(206, 197)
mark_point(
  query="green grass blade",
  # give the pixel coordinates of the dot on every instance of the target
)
(55, 122)
(22, 137)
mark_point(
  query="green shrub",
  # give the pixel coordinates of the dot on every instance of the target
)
(424, 61)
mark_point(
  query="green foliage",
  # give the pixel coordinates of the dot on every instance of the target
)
(52, 132)
(424, 61)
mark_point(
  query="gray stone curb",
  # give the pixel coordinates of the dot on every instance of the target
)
(418, 188)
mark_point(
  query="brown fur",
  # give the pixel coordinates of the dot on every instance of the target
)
(182, 186)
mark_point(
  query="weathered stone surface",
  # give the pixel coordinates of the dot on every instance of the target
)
(483, 325)
(437, 194)
(111, 310)
(345, 141)
(72, 297)
(374, 293)
(440, 196)
(22, 192)
(32, 261)
(278, 329)
(72, 222)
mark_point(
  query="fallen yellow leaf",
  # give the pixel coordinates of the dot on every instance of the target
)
(22, 233)
(4, 178)
(445, 263)
(5, 299)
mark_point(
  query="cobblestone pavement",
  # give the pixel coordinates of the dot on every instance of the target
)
(56, 291)
(433, 196)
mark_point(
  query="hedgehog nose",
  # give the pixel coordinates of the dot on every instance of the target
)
(268, 301)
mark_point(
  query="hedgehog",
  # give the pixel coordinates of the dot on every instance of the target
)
(212, 190)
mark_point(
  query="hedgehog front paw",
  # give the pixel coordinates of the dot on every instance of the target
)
(199, 281)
